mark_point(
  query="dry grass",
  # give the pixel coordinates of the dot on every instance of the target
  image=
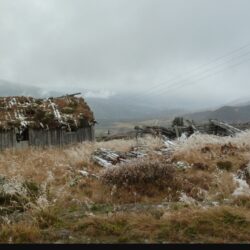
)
(242, 140)
(223, 186)
(20, 233)
(139, 173)
(216, 225)
(141, 179)
(52, 195)
(228, 154)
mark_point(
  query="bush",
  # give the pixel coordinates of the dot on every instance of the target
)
(140, 174)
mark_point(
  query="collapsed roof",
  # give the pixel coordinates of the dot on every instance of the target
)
(67, 112)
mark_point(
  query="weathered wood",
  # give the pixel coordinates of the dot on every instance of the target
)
(176, 131)
(59, 137)
(191, 124)
(79, 93)
(228, 128)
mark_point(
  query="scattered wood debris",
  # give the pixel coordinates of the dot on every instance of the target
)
(179, 128)
(107, 158)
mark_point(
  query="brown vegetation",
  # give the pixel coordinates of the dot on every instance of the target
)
(61, 195)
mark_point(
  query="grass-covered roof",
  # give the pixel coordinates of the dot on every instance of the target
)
(68, 111)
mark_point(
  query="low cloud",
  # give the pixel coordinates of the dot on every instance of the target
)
(127, 46)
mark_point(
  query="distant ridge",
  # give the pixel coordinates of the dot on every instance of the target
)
(231, 114)
(8, 88)
(118, 108)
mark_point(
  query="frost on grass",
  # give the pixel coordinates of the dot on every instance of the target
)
(242, 188)
(17, 194)
(186, 199)
(197, 140)
(139, 173)
(67, 179)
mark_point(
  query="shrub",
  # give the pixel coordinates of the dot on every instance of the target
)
(140, 174)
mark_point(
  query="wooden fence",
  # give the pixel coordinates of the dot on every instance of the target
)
(44, 138)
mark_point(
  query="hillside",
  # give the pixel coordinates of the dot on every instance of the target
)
(228, 114)
(107, 110)
(125, 108)
(191, 191)
(119, 108)
(16, 89)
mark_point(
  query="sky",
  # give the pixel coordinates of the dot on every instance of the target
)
(187, 51)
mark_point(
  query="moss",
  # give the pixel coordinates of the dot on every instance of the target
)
(40, 110)
(19, 233)
(48, 118)
(11, 203)
(32, 188)
(235, 219)
(39, 101)
(242, 201)
(14, 123)
(5, 199)
(225, 165)
(101, 208)
(47, 217)
(73, 104)
(191, 232)
(39, 115)
(30, 111)
(113, 228)
(68, 110)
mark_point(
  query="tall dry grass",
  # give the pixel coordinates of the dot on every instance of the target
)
(214, 225)
(57, 195)
(56, 170)
(241, 140)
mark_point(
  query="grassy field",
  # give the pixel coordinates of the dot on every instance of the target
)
(126, 126)
(46, 195)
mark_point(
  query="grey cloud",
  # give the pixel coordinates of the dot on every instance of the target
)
(124, 45)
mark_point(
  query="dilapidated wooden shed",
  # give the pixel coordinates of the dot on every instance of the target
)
(26, 121)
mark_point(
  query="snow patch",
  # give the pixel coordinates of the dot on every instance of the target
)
(242, 187)
(186, 199)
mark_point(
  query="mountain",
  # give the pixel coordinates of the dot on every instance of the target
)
(230, 114)
(119, 108)
(8, 88)
(243, 101)
(13, 89)
(115, 108)
(124, 107)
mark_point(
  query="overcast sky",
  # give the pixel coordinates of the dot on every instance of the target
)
(129, 45)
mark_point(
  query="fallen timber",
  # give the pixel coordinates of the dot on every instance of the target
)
(214, 127)
(228, 128)
(107, 158)
(178, 128)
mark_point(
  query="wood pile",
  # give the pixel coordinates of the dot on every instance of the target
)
(175, 131)
(106, 157)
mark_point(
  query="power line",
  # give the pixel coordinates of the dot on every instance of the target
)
(205, 71)
(208, 76)
(201, 73)
(173, 84)
(204, 65)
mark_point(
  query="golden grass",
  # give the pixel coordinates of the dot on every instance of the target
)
(215, 225)
(19, 233)
(59, 197)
